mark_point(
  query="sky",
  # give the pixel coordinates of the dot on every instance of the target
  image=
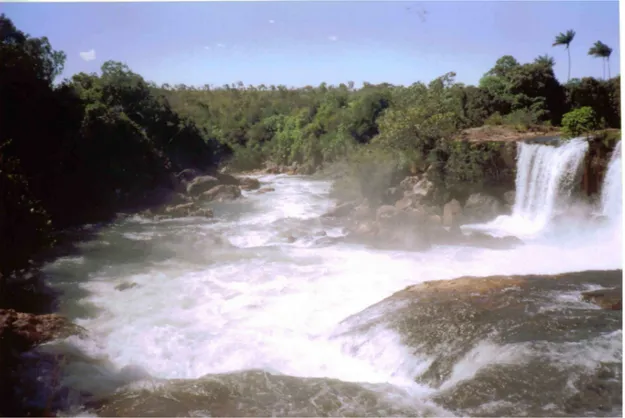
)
(306, 43)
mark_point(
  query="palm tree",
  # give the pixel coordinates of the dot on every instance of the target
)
(601, 50)
(566, 39)
(545, 60)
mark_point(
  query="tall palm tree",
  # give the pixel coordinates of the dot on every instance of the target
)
(565, 39)
(601, 50)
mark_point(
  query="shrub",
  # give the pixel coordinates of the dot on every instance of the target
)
(579, 121)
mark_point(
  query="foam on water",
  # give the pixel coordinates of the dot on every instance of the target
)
(269, 305)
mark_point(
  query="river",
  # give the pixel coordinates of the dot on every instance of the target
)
(234, 304)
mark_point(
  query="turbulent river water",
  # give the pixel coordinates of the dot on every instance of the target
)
(230, 317)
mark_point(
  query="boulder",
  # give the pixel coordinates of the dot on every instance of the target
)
(227, 179)
(407, 184)
(201, 184)
(481, 207)
(509, 197)
(452, 214)
(180, 210)
(188, 174)
(423, 189)
(201, 213)
(20, 331)
(249, 183)
(340, 210)
(125, 286)
(611, 299)
(266, 190)
(393, 194)
(221, 193)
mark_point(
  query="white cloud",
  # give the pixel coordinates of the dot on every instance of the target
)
(333, 38)
(221, 46)
(88, 56)
(272, 21)
(207, 47)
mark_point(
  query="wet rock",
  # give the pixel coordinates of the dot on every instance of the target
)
(188, 174)
(201, 185)
(392, 194)
(452, 213)
(20, 331)
(202, 213)
(321, 233)
(221, 193)
(227, 179)
(340, 210)
(407, 184)
(481, 207)
(249, 183)
(180, 210)
(424, 188)
(509, 197)
(606, 298)
(266, 190)
(125, 286)
(487, 241)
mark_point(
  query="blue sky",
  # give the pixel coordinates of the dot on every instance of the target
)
(299, 43)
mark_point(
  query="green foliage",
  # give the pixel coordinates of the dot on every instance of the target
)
(78, 151)
(579, 121)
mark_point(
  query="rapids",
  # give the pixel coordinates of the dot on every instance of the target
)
(236, 295)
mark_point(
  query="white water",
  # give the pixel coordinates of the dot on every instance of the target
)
(545, 178)
(272, 305)
(612, 191)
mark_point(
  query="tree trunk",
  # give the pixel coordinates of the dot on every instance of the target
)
(569, 52)
(608, 60)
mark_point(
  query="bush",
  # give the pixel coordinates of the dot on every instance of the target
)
(579, 121)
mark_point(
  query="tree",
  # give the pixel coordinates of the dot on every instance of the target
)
(601, 50)
(566, 39)
(545, 60)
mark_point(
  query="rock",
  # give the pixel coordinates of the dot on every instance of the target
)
(202, 213)
(201, 184)
(321, 233)
(407, 184)
(20, 331)
(487, 241)
(509, 197)
(452, 213)
(424, 188)
(481, 207)
(221, 193)
(393, 194)
(611, 299)
(385, 212)
(363, 211)
(404, 203)
(180, 210)
(249, 183)
(266, 190)
(188, 174)
(227, 179)
(340, 210)
(125, 286)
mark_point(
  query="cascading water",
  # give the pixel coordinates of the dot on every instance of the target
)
(545, 178)
(611, 193)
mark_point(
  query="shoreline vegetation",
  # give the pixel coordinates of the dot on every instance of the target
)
(88, 148)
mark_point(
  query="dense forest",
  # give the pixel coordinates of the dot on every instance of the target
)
(77, 151)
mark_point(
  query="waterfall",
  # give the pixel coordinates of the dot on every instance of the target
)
(546, 176)
(611, 191)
